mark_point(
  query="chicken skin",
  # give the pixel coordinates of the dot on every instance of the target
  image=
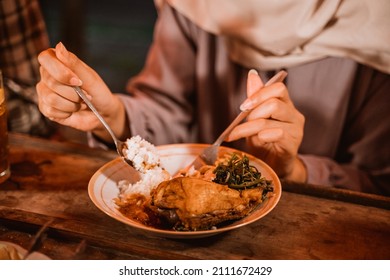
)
(195, 204)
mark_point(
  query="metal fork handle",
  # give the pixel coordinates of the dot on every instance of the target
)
(279, 77)
(233, 124)
(80, 92)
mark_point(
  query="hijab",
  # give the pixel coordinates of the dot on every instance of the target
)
(270, 35)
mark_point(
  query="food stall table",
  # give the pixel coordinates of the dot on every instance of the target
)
(49, 186)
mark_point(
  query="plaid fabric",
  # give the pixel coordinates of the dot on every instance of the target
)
(22, 37)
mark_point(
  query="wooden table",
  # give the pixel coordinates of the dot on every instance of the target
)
(49, 184)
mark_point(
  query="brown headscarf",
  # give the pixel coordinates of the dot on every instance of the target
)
(275, 34)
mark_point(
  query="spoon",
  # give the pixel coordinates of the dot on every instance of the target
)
(120, 146)
(209, 155)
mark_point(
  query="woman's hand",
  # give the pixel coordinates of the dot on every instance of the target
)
(273, 129)
(60, 70)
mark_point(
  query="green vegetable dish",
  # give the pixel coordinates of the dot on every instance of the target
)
(239, 174)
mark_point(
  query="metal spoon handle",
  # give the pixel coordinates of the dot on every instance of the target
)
(80, 92)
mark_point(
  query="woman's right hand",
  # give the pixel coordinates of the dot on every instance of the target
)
(60, 70)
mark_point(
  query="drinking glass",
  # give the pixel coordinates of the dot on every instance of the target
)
(4, 153)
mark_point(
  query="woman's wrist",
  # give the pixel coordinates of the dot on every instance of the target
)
(117, 120)
(299, 172)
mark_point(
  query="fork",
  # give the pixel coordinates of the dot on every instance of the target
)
(209, 155)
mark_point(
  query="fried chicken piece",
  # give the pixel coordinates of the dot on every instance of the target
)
(195, 204)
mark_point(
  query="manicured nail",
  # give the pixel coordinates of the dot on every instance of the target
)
(75, 81)
(61, 46)
(253, 72)
(247, 105)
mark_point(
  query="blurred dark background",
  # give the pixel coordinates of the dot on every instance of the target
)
(112, 36)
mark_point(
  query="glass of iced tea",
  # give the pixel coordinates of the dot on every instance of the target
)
(4, 158)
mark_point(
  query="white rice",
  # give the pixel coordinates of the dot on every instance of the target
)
(146, 160)
(143, 154)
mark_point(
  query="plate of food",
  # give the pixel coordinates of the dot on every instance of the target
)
(158, 197)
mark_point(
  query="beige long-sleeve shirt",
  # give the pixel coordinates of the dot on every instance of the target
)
(189, 91)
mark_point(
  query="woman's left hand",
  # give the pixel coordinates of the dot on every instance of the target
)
(273, 129)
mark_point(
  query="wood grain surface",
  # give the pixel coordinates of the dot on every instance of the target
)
(49, 182)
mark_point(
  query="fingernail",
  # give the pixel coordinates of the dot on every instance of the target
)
(75, 81)
(253, 72)
(61, 46)
(246, 105)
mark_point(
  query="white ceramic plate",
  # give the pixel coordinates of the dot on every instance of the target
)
(103, 189)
